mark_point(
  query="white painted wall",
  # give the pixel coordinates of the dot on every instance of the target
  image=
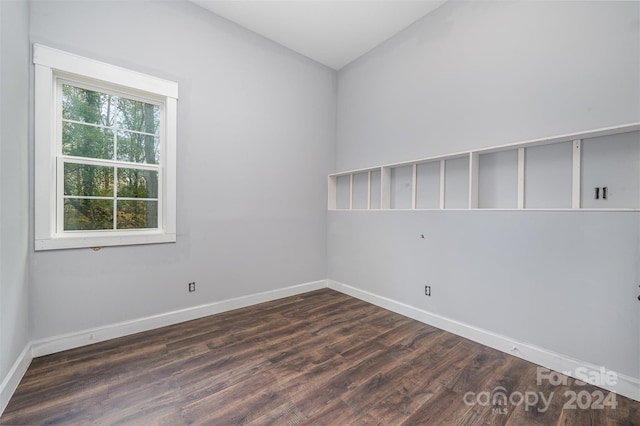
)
(14, 98)
(562, 281)
(256, 129)
(473, 75)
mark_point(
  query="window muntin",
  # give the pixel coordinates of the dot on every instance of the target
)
(103, 134)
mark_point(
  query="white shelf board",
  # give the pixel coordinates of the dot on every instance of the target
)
(473, 178)
(354, 172)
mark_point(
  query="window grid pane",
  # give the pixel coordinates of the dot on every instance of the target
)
(87, 140)
(88, 106)
(84, 214)
(136, 214)
(137, 147)
(88, 180)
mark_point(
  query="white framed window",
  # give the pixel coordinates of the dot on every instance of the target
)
(105, 154)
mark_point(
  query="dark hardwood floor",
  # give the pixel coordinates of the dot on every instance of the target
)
(316, 358)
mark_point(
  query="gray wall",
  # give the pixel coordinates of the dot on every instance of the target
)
(473, 75)
(564, 281)
(14, 98)
(477, 74)
(256, 130)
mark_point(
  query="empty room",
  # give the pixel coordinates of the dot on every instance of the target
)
(319, 212)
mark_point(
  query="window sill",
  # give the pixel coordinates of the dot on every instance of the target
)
(119, 239)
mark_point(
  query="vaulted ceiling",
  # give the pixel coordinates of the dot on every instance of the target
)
(332, 32)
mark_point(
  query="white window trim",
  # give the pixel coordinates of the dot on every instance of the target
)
(51, 64)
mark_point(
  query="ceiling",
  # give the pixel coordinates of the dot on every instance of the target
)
(332, 32)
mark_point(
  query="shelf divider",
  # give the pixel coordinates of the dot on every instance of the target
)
(474, 169)
(369, 190)
(414, 186)
(521, 154)
(442, 178)
(385, 188)
(351, 191)
(575, 177)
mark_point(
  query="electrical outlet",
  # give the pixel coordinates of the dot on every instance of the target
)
(601, 192)
(427, 290)
(192, 287)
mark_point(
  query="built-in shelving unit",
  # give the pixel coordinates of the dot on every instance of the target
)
(596, 169)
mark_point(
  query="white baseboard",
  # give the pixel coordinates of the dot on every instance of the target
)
(86, 337)
(13, 377)
(100, 334)
(81, 338)
(626, 385)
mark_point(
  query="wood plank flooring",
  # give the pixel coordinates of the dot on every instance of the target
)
(320, 358)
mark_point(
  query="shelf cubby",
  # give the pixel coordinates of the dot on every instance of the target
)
(555, 173)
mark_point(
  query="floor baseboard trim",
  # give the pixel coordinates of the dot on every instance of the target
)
(13, 377)
(86, 337)
(625, 385)
(99, 334)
